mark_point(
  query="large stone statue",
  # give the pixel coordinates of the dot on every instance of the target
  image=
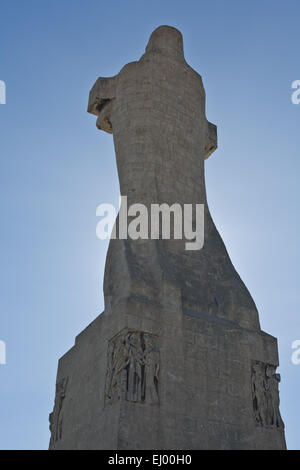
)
(177, 360)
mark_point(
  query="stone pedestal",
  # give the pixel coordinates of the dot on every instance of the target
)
(194, 390)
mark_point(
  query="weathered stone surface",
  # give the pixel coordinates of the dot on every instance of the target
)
(177, 360)
(156, 108)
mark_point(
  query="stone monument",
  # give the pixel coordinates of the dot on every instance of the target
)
(177, 360)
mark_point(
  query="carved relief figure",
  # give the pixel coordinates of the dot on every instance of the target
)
(133, 368)
(265, 395)
(273, 402)
(259, 394)
(117, 357)
(56, 417)
(151, 370)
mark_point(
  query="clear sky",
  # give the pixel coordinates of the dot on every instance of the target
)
(56, 168)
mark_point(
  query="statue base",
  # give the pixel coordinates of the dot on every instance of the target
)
(151, 376)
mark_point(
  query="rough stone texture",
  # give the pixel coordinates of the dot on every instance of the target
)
(177, 360)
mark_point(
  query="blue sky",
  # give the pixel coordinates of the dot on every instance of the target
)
(56, 168)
